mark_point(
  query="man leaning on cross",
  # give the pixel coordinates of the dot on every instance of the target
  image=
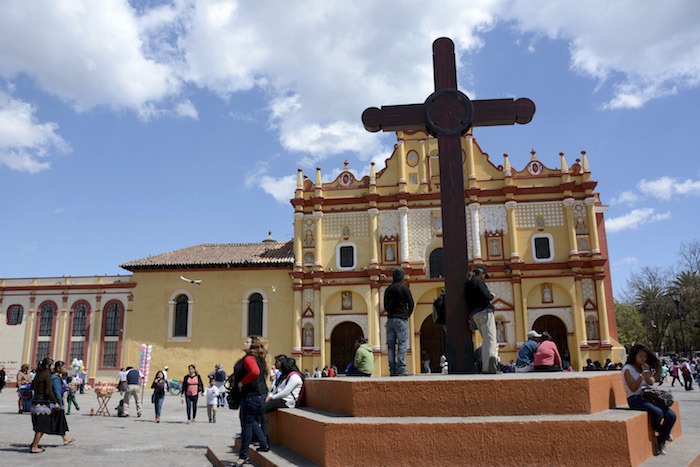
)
(479, 303)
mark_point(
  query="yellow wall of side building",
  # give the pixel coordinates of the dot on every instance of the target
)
(217, 317)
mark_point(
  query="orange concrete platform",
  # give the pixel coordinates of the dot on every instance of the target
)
(467, 395)
(617, 437)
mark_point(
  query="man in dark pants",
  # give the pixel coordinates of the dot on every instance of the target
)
(398, 303)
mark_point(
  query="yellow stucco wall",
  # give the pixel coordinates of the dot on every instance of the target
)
(217, 316)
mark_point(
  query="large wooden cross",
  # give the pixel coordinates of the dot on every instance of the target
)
(448, 114)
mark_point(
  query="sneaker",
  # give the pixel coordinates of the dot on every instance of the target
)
(670, 438)
(405, 373)
(263, 449)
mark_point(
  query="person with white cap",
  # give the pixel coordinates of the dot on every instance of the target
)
(526, 354)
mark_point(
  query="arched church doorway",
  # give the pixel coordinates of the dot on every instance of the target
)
(432, 342)
(556, 328)
(342, 344)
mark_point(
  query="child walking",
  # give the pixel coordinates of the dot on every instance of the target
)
(211, 393)
(72, 389)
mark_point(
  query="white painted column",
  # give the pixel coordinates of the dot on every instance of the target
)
(403, 217)
(476, 234)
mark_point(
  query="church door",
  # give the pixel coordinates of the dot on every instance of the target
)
(432, 342)
(556, 328)
(343, 344)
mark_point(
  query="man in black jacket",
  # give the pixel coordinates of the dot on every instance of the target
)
(398, 303)
(479, 302)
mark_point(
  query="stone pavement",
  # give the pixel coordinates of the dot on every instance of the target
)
(108, 441)
(140, 441)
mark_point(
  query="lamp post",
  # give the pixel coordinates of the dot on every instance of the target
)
(676, 297)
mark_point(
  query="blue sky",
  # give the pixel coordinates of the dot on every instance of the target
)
(135, 128)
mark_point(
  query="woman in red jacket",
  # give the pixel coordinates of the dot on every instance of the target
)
(250, 374)
(547, 356)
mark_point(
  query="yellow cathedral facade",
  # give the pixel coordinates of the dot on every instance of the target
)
(540, 231)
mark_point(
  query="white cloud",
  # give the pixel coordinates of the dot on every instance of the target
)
(319, 64)
(633, 219)
(688, 187)
(664, 188)
(24, 142)
(58, 211)
(87, 53)
(282, 188)
(626, 197)
(645, 50)
(186, 109)
(624, 261)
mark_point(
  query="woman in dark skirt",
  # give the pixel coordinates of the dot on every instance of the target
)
(47, 416)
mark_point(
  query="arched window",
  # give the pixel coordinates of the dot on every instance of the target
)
(112, 319)
(79, 320)
(46, 320)
(181, 315)
(255, 315)
(44, 338)
(436, 270)
(111, 335)
(14, 315)
(78, 337)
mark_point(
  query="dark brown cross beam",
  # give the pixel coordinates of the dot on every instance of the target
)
(448, 114)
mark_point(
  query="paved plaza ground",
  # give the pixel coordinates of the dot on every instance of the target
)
(110, 441)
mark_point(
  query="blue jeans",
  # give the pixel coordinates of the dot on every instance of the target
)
(397, 341)
(250, 410)
(191, 402)
(159, 404)
(656, 415)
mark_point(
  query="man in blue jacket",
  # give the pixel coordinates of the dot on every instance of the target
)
(526, 354)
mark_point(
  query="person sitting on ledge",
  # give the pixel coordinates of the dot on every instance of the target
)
(286, 393)
(363, 364)
(639, 372)
(526, 354)
(589, 365)
(547, 356)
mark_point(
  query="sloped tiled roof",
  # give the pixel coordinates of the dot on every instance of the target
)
(220, 255)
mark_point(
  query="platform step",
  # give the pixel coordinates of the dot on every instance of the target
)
(621, 438)
(467, 395)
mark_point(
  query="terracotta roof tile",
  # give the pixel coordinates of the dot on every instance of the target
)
(213, 255)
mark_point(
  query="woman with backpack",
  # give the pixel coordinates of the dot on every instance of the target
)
(287, 393)
(250, 372)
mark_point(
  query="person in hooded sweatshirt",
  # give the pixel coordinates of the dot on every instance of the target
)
(363, 364)
(398, 303)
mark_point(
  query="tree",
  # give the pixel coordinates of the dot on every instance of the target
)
(648, 292)
(630, 328)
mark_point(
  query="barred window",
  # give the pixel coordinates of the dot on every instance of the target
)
(109, 354)
(79, 320)
(14, 315)
(347, 256)
(255, 315)
(436, 269)
(181, 315)
(46, 320)
(77, 350)
(42, 350)
(112, 319)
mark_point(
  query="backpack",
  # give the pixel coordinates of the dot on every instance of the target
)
(301, 400)
(220, 376)
(439, 309)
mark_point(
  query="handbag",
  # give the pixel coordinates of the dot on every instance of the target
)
(661, 399)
